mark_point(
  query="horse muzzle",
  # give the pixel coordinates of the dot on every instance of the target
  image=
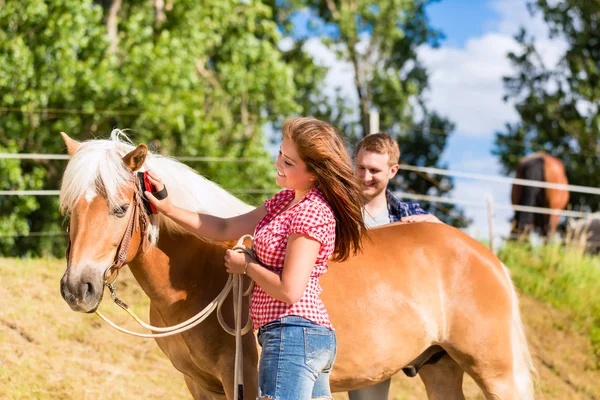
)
(82, 292)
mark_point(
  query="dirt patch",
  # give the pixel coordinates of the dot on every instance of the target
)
(564, 358)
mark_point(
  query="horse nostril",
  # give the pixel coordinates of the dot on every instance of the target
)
(88, 291)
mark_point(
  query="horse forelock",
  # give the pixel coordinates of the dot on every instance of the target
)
(97, 168)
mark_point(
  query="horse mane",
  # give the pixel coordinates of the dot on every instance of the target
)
(97, 168)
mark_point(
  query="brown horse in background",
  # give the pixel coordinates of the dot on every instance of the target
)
(539, 167)
(425, 298)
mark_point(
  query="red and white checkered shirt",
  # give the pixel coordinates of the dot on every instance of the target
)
(311, 216)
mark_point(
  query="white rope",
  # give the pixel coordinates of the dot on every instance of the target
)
(29, 192)
(406, 167)
(234, 281)
(540, 210)
(493, 178)
(34, 156)
(33, 234)
(217, 303)
(57, 192)
(37, 156)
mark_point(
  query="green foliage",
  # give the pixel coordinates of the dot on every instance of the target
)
(193, 79)
(380, 40)
(50, 53)
(558, 106)
(562, 277)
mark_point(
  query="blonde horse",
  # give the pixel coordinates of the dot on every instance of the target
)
(425, 298)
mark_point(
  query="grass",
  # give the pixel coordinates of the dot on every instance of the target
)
(48, 351)
(563, 277)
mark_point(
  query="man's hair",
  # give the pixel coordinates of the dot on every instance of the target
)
(380, 143)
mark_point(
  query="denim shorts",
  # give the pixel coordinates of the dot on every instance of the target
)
(296, 359)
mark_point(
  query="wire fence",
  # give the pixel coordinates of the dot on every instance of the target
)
(407, 193)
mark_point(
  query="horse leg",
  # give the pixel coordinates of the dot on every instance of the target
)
(494, 350)
(250, 385)
(196, 391)
(250, 372)
(499, 367)
(493, 374)
(552, 225)
(443, 380)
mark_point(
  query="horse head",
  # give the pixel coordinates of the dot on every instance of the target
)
(101, 197)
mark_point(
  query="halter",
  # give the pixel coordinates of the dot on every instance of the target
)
(136, 221)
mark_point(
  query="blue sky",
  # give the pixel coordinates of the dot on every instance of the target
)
(460, 20)
(466, 86)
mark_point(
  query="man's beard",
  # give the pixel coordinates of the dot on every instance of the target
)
(371, 193)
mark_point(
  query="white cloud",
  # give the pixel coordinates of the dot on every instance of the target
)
(340, 74)
(466, 82)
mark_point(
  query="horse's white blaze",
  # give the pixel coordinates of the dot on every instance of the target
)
(90, 194)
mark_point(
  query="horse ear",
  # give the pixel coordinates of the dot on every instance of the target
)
(72, 145)
(135, 159)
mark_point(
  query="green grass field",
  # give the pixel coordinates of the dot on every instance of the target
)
(563, 278)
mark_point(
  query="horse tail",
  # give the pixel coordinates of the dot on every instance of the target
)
(523, 368)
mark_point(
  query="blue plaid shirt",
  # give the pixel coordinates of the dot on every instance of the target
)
(398, 209)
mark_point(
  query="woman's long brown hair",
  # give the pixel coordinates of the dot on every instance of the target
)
(322, 149)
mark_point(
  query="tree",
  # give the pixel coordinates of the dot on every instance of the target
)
(380, 41)
(191, 78)
(49, 55)
(558, 105)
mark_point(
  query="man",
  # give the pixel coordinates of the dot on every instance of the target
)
(376, 160)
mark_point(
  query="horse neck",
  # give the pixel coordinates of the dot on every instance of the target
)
(180, 268)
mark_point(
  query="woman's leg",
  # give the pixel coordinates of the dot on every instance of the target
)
(294, 353)
(321, 389)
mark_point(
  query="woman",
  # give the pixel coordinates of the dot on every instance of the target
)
(296, 232)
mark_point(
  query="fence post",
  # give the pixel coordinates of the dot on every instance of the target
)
(373, 122)
(491, 222)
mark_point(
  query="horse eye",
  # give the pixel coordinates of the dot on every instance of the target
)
(120, 211)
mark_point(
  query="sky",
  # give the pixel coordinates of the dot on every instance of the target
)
(466, 86)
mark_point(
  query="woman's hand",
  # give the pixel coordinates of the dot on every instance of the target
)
(163, 206)
(236, 262)
(421, 218)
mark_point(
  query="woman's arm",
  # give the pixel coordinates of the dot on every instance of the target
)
(300, 258)
(205, 225)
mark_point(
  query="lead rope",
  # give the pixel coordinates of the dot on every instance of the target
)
(238, 294)
(234, 281)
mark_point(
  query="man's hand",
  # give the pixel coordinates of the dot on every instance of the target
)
(422, 218)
